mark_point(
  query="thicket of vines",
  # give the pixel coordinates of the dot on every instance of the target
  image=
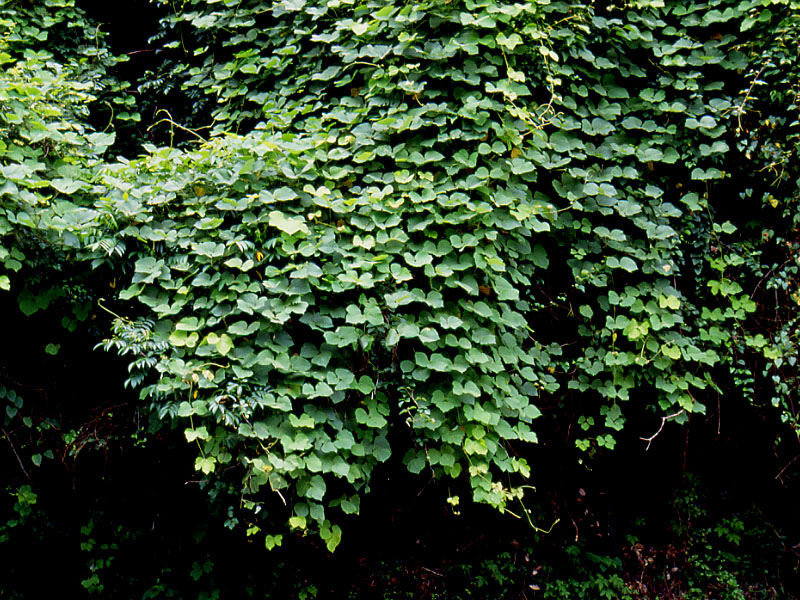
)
(429, 235)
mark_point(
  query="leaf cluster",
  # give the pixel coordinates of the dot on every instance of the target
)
(445, 231)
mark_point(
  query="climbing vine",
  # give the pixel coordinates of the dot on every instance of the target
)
(433, 233)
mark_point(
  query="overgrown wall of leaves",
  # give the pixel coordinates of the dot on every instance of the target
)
(439, 231)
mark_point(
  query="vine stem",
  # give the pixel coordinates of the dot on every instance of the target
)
(14, 450)
(109, 311)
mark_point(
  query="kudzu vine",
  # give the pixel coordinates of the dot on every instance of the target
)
(436, 230)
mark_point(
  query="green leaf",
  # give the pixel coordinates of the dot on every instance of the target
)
(331, 535)
(628, 264)
(539, 257)
(66, 186)
(505, 291)
(101, 140)
(289, 225)
(205, 464)
(195, 434)
(225, 344)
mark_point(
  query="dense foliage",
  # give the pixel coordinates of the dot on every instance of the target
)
(443, 241)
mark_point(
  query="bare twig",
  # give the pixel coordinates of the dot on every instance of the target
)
(425, 486)
(14, 450)
(663, 422)
(770, 272)
(478, 539)
(789, 464)
(740, 110)
(574, 523)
